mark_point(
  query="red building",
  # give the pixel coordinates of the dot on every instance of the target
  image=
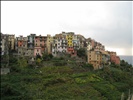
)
(114, 58)
(71, 51)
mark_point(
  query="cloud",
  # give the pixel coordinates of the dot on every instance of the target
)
(107, 22)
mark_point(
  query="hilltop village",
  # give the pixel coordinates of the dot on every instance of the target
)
(62, 43)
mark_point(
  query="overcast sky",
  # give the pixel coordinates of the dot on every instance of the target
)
(107, 22)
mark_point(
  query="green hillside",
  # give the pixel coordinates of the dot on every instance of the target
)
(66, 82)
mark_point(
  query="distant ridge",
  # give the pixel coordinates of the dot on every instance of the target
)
(128, 59)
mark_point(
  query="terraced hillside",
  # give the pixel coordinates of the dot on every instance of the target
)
(66, 83)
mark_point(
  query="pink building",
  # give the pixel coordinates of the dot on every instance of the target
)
(40, 45)
(114, 58)
(37, 51)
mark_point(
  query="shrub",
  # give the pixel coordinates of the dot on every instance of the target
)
(60, 63)
(90, 66)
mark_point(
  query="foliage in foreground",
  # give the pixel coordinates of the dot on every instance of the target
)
(65, 82)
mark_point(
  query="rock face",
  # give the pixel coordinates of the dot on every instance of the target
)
(5, 71)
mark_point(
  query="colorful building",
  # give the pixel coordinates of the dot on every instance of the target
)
(65, 42)
(4, 44)
(7, 42)
(30, 45)
(11, 40)
(40, 42)
(54, 46)
(21, 45)
(105, 58)
(81, 40)
(114, 58)
(95, 58)
(71, 44)
(49, 44)
(37, 51)
(30, 41)
(69, 38)
(59, 44)
(76, 42)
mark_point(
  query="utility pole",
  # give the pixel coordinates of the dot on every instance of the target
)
(129, 96)
(122, 96)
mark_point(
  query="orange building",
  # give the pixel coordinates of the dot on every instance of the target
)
(19, 41)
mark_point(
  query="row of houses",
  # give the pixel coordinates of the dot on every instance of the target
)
(65, 42)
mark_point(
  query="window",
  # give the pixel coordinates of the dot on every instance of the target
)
(37, 50)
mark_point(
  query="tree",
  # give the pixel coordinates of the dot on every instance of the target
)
(47, 56)
(82, 53)
(90, 66)
(38, 61)
(22, 62)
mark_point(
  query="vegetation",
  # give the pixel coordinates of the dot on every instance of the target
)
(64, 80)
(82, 53)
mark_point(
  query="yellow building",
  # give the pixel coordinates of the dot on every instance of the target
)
(69, 38)
(49, 43)
(95, 58)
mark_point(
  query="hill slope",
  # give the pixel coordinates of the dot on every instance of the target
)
(66, 83)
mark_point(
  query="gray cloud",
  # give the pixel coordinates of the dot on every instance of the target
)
(107, 22)
(114, 30)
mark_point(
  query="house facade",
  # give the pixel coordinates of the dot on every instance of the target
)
(30, 42)
(11, 40)
(49, 43)
(21, 45)
(40, 45)
(59, 45)
(95, 58)
(4, 44)
(114, 58)
(54, 46)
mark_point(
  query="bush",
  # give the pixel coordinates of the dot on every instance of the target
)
(47, 57)
(60, 63)
(90, 66)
